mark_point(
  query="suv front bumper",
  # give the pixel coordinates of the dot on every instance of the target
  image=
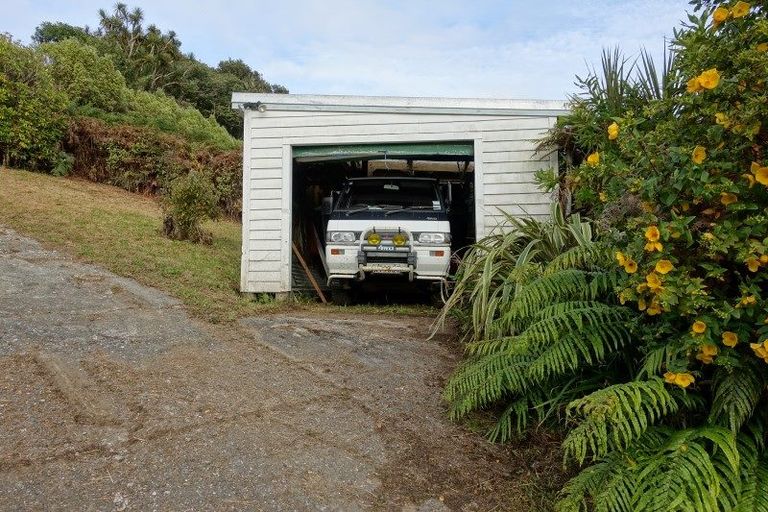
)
(418, 262)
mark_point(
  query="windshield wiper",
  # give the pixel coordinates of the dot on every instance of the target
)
(406, 208)
(371, 207)
(358, 210)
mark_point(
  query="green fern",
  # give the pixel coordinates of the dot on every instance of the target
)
(613, 417)
(662, 470)
(736, 393)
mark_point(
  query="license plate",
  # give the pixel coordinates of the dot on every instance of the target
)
(385, 248)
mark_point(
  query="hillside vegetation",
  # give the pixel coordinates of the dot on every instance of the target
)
(122, 105)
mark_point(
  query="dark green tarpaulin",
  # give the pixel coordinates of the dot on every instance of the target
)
(417, 151)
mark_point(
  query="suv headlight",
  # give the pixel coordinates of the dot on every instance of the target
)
(434, 238)
(342, 237)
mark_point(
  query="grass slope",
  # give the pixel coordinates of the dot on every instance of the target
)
(121, 231)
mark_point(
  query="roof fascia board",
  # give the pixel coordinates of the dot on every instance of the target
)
(374, 104)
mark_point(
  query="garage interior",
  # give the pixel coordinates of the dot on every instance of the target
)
(320, 171)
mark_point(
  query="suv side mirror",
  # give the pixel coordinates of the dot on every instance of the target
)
(327, 206)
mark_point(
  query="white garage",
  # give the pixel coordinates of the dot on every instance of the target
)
(298, 147)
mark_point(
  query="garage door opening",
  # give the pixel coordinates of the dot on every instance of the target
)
(320, 175)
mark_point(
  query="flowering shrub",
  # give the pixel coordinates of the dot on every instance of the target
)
(654, 359)
(695, 261)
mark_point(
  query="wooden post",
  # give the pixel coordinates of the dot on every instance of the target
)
(309, 274)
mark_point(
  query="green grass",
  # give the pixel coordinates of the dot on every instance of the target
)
(121, 231)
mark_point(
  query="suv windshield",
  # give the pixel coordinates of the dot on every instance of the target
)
(390, 194)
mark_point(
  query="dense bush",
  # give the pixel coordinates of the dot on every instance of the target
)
(192, 198)
(162, 112)
(654, 363)
(144, 160)
(88, 79)
(32, 109)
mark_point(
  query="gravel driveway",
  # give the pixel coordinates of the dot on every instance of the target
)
(113, 398)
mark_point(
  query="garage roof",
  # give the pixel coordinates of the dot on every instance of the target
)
(460, 151)
(269, 102)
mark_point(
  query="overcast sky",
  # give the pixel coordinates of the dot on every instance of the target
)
(505, 49)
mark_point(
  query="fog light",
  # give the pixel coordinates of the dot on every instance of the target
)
(437, 253)
(374, 238)
(399, 239)
(337, 252)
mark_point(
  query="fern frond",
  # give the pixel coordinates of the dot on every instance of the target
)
(587, 346)
(662, 470)
(483, 380)
(585, 257)
(613, 417)
(610, 485)
(737, 391)
(754, 475)
(563, 286)
(684, 475)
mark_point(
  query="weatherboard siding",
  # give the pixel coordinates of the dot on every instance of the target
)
(505, 163)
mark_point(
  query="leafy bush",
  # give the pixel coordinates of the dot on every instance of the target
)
(143, 160)
(156, 110)
(653, 364)
(191, 200)
(88, 79)
(32, 110)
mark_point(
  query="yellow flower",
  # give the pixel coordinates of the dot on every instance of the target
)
(761, 173)
(641, 304)
(740, 10)
(762, 47)
(593, 159)
(753, 264)
(722, 119)
(699, 327)
(652, 234)
(720, 15)
(730, 339)
(641, 287)
(727, 198)
(630, 266)
(699, 154)
(603, 197)
(750, 179)
(709, 78)
(707, 353)
(613, 131)
(653, 246)
(693, 85)
(664, 266)
(684, 380)
(679, 379)
(748, 300)
(654, 309)
(620, 258)
(760, 350)
(764, 258)
(654, 281)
